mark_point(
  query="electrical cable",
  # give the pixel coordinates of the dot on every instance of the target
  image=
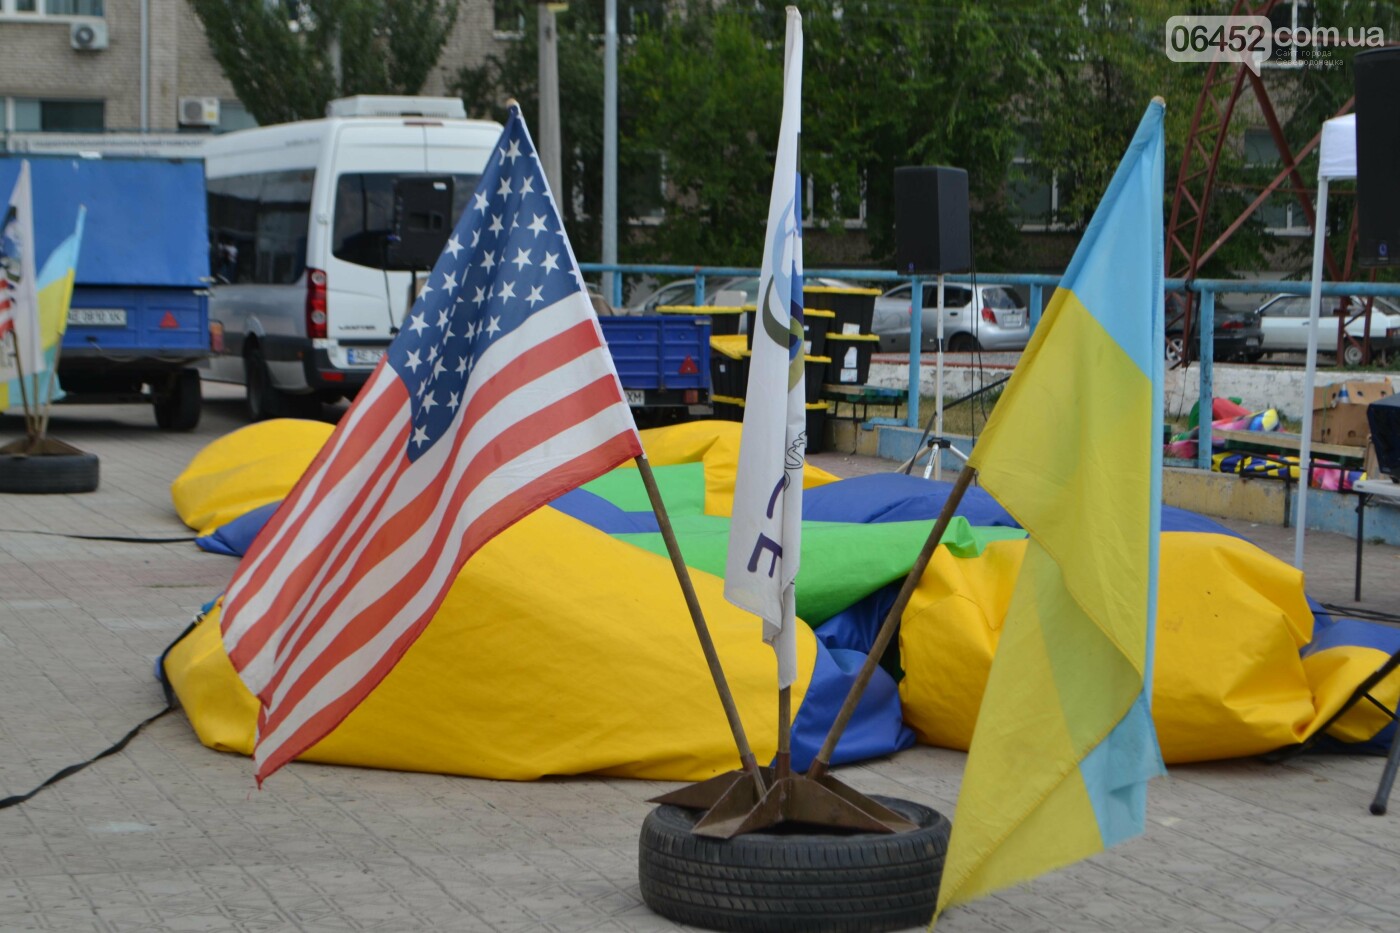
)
(123, 539)
(170, 705)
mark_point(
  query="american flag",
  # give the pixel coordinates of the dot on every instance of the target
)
(497, 396)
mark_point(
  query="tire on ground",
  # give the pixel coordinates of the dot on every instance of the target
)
(48, 474)
(793, 882)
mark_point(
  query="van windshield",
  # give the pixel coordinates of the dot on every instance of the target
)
(364, 215)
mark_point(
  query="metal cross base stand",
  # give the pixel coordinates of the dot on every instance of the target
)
(735, 801)
(734, 806)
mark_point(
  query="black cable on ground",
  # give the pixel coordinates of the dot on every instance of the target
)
(1366, 615)
(73, 769)
(124, 539)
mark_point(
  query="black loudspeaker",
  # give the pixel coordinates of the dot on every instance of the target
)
(1378, 157)
(931, 227)
(422, 221)
(1383, 418)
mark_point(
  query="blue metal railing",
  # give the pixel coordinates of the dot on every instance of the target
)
(1208, 289)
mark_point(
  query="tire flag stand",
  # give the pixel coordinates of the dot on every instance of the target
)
(755, 798)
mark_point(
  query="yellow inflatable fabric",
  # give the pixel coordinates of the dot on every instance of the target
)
(246, 469)
(516, 682)
(716, 443)
(1228, 680)
(1335, 672)
(260, 463)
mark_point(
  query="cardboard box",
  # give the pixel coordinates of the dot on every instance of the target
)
(1339, 411)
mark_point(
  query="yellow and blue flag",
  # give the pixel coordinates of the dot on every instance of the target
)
(1064, 743)
(53, 289)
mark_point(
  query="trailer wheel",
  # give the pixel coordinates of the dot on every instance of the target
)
(178, 405)
(48, 473)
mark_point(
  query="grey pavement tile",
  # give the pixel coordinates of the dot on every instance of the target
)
(170, 835)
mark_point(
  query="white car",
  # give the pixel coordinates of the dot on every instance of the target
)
(1284, 319)
(679, 292)
(997, 320)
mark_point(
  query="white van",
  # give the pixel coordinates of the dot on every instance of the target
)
(305, 297)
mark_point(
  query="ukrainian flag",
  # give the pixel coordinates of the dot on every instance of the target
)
(54, 288)
(1064, 743)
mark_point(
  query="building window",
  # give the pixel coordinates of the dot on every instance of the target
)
(509, 17)
(57, 116)
(1281, 214)
(52, 7)
(1034, 194)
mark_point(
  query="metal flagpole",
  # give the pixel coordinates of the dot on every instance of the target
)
(938, 388)
(702, 631)
(822, 762)
(29, 423)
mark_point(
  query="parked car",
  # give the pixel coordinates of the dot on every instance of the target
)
(744, 290)
(1237, 333)
(997, 320)
(679, 292)
(1285, 326)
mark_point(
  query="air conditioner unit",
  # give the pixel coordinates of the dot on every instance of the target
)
(199, 111)
(89, 35)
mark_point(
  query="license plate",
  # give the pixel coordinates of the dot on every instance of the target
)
(636, 398)
(1013, 320)
(97, 317)
(1252, 342)
(364, 356)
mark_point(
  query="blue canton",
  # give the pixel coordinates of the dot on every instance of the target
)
(507, 258)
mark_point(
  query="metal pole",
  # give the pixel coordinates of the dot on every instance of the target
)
(916, 341)
(549, 148)
(1310, 379)
(822, 762)
(611, 280)
(938, 388)
(702, 631)
(145, 65)
(1205, 405)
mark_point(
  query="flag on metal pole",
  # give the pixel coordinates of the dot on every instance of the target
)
(497, 396)
(1064, 743)
(19, 305)
(766, 529)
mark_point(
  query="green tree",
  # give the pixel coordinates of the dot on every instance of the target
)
(281, 57)
(514, 73)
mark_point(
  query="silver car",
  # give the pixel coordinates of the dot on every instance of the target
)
(1284, 319)
(744, 290)
(997, 320)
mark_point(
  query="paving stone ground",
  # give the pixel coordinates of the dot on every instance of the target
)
(170, 836)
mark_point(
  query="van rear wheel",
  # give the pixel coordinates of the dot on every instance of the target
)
(263, 400)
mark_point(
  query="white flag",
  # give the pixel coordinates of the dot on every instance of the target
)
(765, 535)
(19, 305)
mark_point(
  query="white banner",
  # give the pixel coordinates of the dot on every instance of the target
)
(765, 536)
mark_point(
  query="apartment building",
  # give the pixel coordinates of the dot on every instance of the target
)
(123, 68)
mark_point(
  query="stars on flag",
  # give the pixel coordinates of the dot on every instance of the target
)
(507, 256)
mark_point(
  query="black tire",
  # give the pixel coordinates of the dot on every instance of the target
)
(48, 474)
(1176, 350)
(793, 882)
(963, 343)
(178, 404)
(261, 400)
(264, 401)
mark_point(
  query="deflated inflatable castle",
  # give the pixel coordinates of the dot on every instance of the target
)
(565, 646)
